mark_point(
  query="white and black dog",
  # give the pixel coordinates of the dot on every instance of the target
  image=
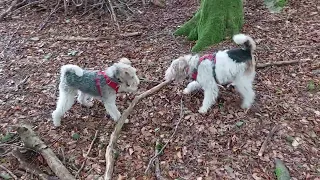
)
(235, 66)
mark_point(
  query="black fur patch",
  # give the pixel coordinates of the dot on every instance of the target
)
(239, 55)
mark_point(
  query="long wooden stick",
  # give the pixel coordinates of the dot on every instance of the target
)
(9, 172)
(281, 63)
(110, 152)
(31, 140)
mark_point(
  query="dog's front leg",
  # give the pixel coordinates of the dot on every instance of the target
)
(111, 108)
(192, 86)
(210, 95)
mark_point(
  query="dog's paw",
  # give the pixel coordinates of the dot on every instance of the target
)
(203, 110)
(186, 91)
(245, 105)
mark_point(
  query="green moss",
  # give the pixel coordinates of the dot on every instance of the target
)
(215, 20)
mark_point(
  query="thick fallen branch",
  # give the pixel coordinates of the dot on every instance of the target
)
(281, 63)
(31, 140)
(110, 152)
(26, 166)
(170, 139)
(265, 143)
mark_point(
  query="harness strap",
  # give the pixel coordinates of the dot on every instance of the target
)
(112, 84)
(210, 57)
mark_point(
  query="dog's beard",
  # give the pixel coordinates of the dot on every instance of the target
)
(172, 74)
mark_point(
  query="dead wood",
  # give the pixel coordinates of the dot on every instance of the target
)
(131, 34)
(281, 63)
(26, 166)
(86, 155)
(110, 152)
(31, 140)
(78, 38)
(9, 172)
(13, 5)
(157, 162)
(170, 139)
(265, 143)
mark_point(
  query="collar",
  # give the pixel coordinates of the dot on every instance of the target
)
(114, 85)
(210, 57)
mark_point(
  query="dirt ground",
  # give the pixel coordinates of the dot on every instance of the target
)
(223, 144)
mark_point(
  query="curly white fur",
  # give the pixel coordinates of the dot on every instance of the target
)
(122, 70)
(226, 69)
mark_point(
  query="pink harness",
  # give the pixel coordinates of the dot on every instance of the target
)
(210, 57)
(110, 83)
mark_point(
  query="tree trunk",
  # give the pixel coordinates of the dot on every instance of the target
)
(215, 20)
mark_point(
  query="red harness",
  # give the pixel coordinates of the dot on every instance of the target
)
(110, 83)
(210, 57)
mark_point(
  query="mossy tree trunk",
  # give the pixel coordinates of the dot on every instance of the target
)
(215, 20)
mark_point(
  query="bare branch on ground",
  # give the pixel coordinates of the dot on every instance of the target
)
(265, 143)
(31, 140)
(110, 152)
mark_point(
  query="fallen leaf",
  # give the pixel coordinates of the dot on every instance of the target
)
(131, 151)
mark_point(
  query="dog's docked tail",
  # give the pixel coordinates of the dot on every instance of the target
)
(71, 68)
(245, 40)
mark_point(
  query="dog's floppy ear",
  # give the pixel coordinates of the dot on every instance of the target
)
(125, 61)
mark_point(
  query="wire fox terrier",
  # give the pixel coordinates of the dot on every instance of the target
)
(103, 85)
(235, 66)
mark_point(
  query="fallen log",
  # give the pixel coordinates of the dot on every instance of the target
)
(31, 140)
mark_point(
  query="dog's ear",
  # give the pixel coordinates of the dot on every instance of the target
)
(125, 61)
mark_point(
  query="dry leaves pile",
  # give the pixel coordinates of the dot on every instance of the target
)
(223, 144)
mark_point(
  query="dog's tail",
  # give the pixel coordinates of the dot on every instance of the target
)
(71, 68)
(125, 61)
(245, 40)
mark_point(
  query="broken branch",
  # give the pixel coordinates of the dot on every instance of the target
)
(86, 155)
(281, 63)
(110, 155)
(31, 140)
(157, 163)
(26, 166)
(264, 145)
(9, 172)
(78, 38)
(13, 5)
(170, 139)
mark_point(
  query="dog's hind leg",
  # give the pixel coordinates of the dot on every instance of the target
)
(111, 108)
(65, 102)
(192, 86)
(244, 87)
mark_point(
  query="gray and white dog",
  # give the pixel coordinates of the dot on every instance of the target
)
(234, 66)
(103, 85)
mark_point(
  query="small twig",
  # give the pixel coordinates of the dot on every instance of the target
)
(86, 155)
(114, 15)
(7, 45)
(264, 145)
(280, 63)
(56, 8)
(13, 5)
(9, 172)
(131, 34)
(78, 38)
(170, 139)
(26, 166)
(157, 163)
(22, 82)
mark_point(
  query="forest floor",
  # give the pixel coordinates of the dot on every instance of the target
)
(223, 144)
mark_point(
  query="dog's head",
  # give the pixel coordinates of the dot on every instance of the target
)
(127, 76)
(179, 69)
